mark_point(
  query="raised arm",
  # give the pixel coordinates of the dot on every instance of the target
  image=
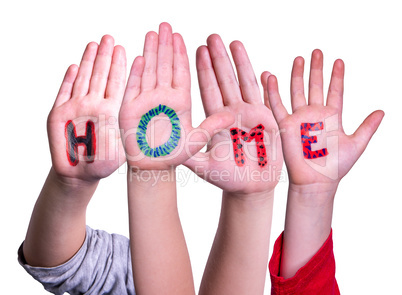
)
(84, 143)
(157, 131)
(317, 154)
(245, 161)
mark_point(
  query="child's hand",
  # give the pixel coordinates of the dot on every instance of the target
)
(317, 153)
(83, 128)
(328, 160)
(156, 112)
(231, 161)
(85, 146)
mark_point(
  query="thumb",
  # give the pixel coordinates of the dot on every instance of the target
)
(367, 129)
(264, 82)
(201, 135)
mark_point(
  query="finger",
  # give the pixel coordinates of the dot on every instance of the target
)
(335, 90)
(81, 84)
(248, 83)
(208, 128)
(210, 93)
(148, 81)
(224, 71)
(117, 76)
(264, 82)
(133, 87)
(165, 55)
(297, 84)
(275, 101)
(102, 65)
(181, 67)
(66, 87)
(366, 130)
(316, 94)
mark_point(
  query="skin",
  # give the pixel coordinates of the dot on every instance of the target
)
(160, 258)
(93, 90)
(311, 188)
(238, 260)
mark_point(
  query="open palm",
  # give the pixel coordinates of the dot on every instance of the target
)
(342, 151)
(220, 91)
(156, 112)
(91, 93)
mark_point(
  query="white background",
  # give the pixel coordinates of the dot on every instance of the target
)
(40, 39)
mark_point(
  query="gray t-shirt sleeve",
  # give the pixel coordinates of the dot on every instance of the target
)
(101, 266)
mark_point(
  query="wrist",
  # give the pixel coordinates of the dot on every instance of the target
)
(307, 225)
(151, 177)
(256, 196)
(70, 195)
(250, 201)
(309, 212)
(152, 191)
(71, 185)
(313, 195)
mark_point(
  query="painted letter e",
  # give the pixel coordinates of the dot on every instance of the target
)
(307, 140)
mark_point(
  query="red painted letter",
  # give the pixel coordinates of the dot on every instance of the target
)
(308, 140)
(255, 133)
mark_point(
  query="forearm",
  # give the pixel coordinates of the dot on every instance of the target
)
(307, 226)
(58, 226)
(238, 260)
(161, 264)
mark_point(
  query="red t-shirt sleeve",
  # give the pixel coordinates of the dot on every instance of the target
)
(316, 277)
